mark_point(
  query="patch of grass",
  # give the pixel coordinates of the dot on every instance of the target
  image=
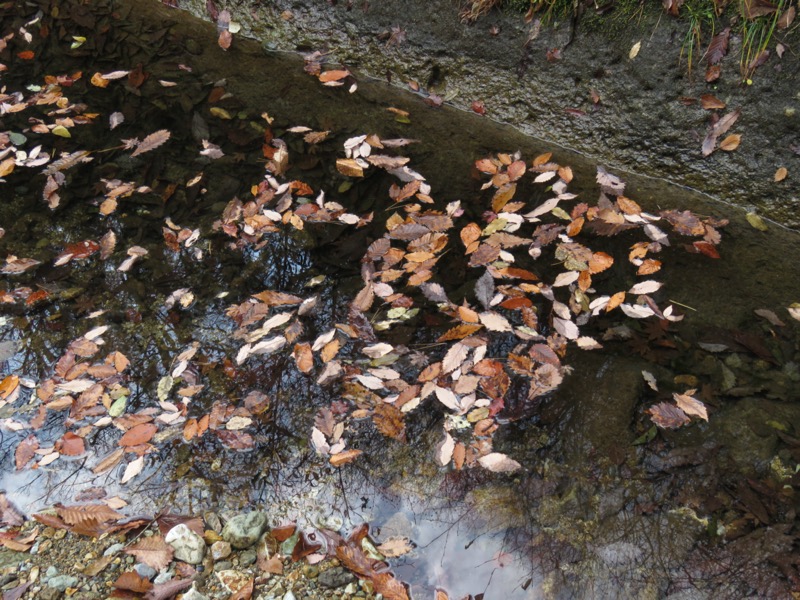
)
(702, 21)
(756, 37)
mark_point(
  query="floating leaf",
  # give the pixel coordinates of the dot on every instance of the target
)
(151, 142)
(133, 469)
(499, 463)
(667, 416)
(690, 405)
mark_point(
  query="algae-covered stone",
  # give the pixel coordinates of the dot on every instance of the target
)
(189, 547)
(243, 531)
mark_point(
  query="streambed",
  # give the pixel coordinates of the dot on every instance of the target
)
(589, 515)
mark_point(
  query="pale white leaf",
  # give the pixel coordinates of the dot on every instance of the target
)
(96, 332)
(268, 346)
(448, 398)
(794, 311)
(455, 356)
(566, 328)
(320, 342)
(319, 441)
(133, 469)
(651, 380)
(378, 350)
(494, 322)
(690, 405)
(588, 343)
(770, 316)
(566, 278)
(499, 463)
(238, 422)
(645, 287)
(544, 177)
(444, 450)
(637, 311)
(116, 119)
(371, 382)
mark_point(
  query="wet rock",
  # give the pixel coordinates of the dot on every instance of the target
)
(189, 547)
(145, 571)
(113, 549)
(243, 531)
(247, 558)
(49, 593)
(193, 594)
(62, 582)
(335, 578)
(223, 565)
(220, 550)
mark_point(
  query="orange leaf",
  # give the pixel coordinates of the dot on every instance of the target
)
(542, 159)
(25, 451)
(599, 262)
(333, 75)
(347, 456)
(8, 385)
(304, 357)
(730, 143)
(615, 301)
(140, 434)
(190, 429)
(649, 266)
(781, 174)
(26, 55)
(457, 333)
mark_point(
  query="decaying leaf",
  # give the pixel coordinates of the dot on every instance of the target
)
(151, 142)
(152, 551)
(667, 416)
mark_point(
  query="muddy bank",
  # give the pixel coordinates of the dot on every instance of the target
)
(628, 113)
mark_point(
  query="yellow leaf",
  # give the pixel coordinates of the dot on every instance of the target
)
(756, 221)
(61, 131)
(220, 113)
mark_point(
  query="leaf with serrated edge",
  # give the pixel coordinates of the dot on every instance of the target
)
(152, 551)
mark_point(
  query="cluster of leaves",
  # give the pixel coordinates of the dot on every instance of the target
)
(357, 552)
(385, 382)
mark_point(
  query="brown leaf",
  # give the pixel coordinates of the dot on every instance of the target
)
(389, 420)
(167, 521)
(304, 357)
(344, 457)
(70, 445)
(109, 461)
(133, 582)
(140, 434)
(25, 451)
(718, 129)
(459, 332)
(81, 514)
(690, 405)
(667, 416)
(485, 254)
(718, 47)
(710, 102)
(787, 18)
(781, 174)
(271, 298)
(152, 551)
(9, 514)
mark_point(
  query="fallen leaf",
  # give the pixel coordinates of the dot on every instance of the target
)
(635, 50)
(499, 463)
(133, 582)
(781, 174)
(730, 143)
(667, 416)
(152, 551)
(690, 405)
(140, 434)
(395, 546)
(133, 469)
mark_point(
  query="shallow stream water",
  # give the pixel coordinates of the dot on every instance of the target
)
(601, 508)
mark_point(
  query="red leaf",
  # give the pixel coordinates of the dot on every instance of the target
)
(707, 249)
(70, 445)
